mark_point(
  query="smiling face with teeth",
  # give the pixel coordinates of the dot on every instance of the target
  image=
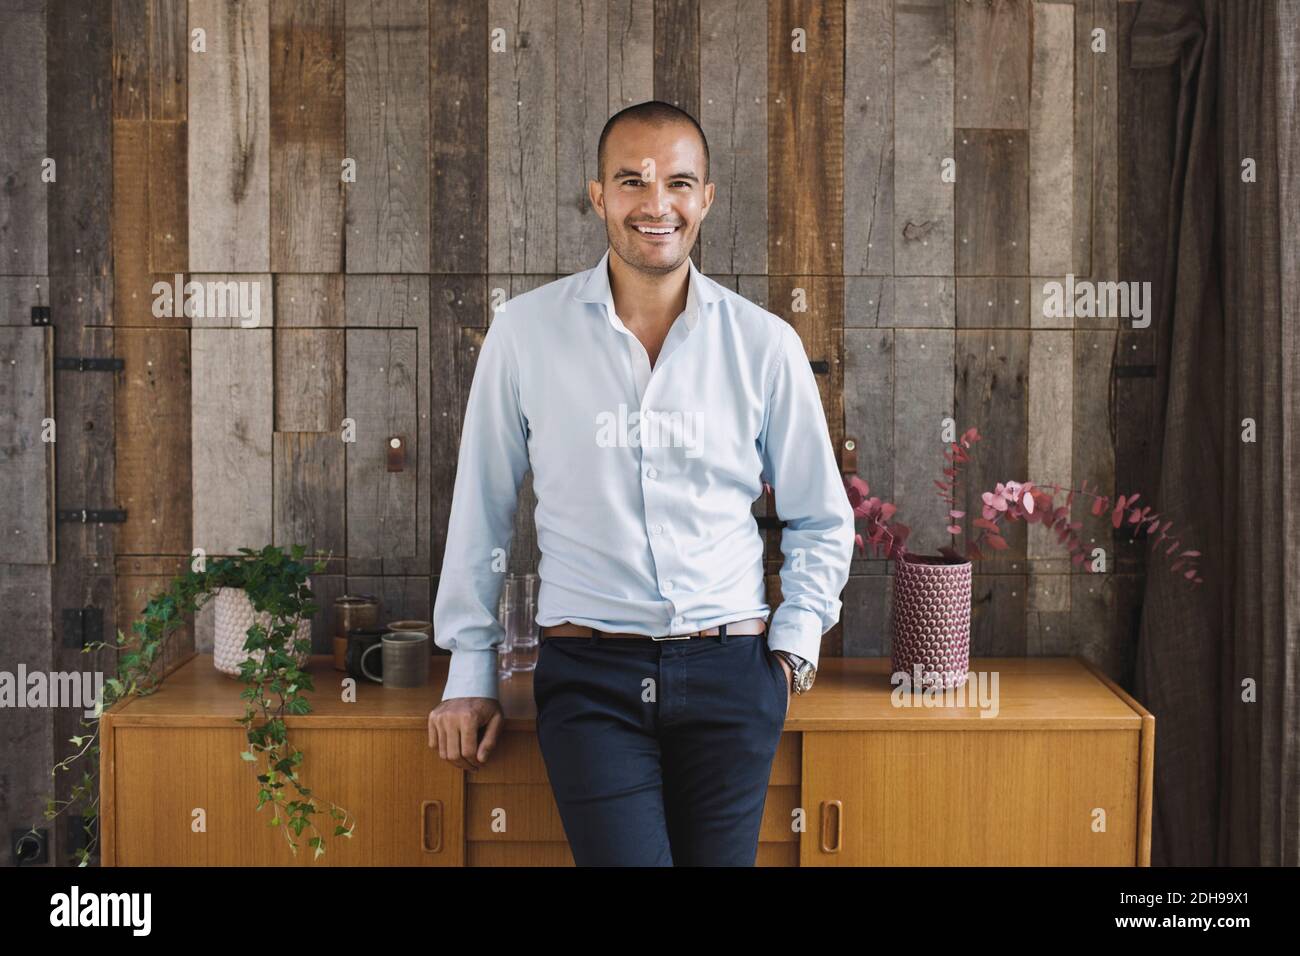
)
(653, 196)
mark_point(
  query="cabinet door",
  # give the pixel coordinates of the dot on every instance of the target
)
(183, 797)
(970, 798)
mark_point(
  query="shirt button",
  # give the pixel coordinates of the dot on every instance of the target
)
(668, 585)
(650, 472)
(659, 529)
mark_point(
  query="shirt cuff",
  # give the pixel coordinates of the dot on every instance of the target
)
(797, 630)
(472, 673)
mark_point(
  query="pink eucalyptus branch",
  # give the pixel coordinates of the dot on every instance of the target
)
(1016, 501)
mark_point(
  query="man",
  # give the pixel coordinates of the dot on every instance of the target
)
(650, 402)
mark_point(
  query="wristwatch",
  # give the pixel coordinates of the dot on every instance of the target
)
(804, 672)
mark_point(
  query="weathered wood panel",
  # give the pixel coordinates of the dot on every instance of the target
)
(992, 202)
(401, 302)
(869, 416)
(168, 192)
(84, 452)
(26, 457)
(998, 607)
(131, 81)
(238, 301)
(991, 383)
(868, 302)
(1105, 193)
(922, 302)
(1042, 293)
(79, 125)
(152, 424)
(522, 138)
(24, 229)
(168, 111)
(310, 497)
(309, 380)
(1051, 141)
(75, 582)
(733, 113)
(458, 124)
(168, 59)
(1047, 615)
(993, 303)
(132, 281)
(309, 301)
(992, 64)
(457, 303)
(306, 135)
(400, 598)
(923, 137)
(820, 327)
(1085, 90)
(869, 137)
(630, 52)
(395, 302)
(388, 136)
(232, 426)
(582, 91)
(865, 617)
(382, 400)
(26, 733)
(805, 133)
(923, 398)
(1094, 634)
(79, 301)
(1051, 427)
(84, 475)
(18, 296)
(229, 135)
(325, 589)
(677, 53)
(1093, 458)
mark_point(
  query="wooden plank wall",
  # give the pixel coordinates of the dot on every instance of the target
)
(382, 173)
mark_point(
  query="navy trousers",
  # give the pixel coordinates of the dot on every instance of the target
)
(659, 753)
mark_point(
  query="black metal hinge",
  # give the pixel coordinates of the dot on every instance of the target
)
(89, 516)
(82, 626)
(67, 363)
(40, 315)
(1135, 371)
(820, 366)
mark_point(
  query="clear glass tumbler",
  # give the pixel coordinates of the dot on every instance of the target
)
(505, 614)
(524, 647)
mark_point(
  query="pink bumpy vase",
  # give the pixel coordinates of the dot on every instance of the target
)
(930, 619)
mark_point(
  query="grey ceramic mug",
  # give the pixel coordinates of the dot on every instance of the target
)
(405, 659)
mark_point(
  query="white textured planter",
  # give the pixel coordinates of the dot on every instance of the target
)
(235, 615)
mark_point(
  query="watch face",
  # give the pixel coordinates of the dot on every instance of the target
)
(804, 678)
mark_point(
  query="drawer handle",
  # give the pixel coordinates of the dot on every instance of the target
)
(431, 810)
(839, 824)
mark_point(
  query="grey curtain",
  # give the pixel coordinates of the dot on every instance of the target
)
(1227, 772)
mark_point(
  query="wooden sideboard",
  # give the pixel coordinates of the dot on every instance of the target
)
(1062, 775)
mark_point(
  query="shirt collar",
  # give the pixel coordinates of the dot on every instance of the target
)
(700, 293)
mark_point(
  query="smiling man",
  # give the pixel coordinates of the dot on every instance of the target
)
(651, 403)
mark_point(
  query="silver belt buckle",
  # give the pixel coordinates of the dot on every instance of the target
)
(674, 637)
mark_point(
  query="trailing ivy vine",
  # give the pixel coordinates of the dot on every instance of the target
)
(276, 584)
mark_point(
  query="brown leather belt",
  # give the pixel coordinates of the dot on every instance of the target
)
(753, 625)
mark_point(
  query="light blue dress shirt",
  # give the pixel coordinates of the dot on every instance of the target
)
(644, 477)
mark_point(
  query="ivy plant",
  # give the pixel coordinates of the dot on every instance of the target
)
(276, 584)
